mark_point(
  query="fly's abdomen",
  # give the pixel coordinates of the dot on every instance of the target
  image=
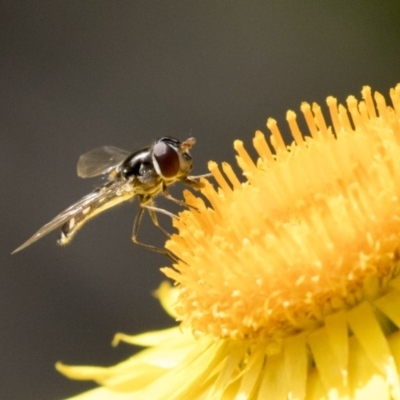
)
(97, 205)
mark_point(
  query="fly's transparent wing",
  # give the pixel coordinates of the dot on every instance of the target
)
(100, 160)
(102, 198)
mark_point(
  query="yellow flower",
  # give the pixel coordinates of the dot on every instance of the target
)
(287, 285)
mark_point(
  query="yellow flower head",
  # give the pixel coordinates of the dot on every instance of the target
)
(289, 281)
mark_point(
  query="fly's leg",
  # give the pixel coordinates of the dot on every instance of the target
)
(172, 198)
(177, 201)
(194, 181)
(153, 214)
(135, 232)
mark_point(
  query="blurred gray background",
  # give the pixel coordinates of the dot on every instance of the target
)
(75, 75)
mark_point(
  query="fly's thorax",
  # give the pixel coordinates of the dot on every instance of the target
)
(136, 164)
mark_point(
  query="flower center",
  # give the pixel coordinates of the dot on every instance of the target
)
(314, 229)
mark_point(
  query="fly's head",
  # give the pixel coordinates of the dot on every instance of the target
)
(172, 159)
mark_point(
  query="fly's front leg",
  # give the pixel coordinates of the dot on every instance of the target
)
(194, 181)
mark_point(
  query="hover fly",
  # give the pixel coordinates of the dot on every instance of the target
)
(145, 174)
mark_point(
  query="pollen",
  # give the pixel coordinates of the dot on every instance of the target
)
(312, 230)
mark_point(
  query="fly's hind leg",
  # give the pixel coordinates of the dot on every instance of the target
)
(136, 226)
(153, 214)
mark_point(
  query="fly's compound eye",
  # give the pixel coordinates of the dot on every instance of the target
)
(167, 159)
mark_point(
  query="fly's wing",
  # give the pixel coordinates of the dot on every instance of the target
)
(106, 196)
(100, 160)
